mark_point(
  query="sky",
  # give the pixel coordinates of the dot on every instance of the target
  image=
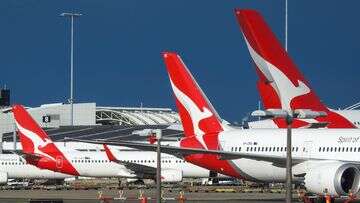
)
(117, 46)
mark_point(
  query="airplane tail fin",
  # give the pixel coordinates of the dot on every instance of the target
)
(281, 84)
(37, 143)
(33, 138)
(197, 114)
(275, 68)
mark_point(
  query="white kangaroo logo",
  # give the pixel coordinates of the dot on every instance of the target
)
(196, 114)
(280, 82)
(36, 139)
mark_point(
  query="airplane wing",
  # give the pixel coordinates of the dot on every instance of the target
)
(183, 152)
(139, 169)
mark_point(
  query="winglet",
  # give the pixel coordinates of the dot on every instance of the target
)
(197, 114)
(109, 154)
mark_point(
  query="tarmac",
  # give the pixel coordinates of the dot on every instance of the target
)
(132, 196)
(70, 196)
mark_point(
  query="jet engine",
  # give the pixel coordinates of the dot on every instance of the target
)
(171, 175)
(3, 178)
(337, 178)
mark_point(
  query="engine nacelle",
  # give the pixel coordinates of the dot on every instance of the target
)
(338, 178)
(3, 178)
(171, 175)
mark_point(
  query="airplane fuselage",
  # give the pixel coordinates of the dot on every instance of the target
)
(312, 146)
(13, 166)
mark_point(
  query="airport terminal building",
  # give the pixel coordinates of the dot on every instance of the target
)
(92, 121)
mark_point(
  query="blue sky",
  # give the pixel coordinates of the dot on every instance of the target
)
(118, 45)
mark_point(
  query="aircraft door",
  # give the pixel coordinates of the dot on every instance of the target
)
(307, 152)
(307, 149)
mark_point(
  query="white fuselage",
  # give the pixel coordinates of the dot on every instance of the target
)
(97, 164)
(314, 146)
(15, 167)
(352, 116)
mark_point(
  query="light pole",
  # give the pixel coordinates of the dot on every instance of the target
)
(286, 25)
(289, 117)
(158, 133)
(71, 100)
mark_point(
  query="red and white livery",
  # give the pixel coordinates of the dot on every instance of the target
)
(281, 84)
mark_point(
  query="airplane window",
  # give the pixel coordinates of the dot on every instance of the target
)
(262, 149)
(251, 148)
(350, 149)
(334, 149)
(258, 149)
(281, 148)
(274, 149)
(358, 149)
(239, 149)
(254, 149)
(354, 149)
(331, 149)
(232, 149)
(266, 149)
(247, 149)
(347, 149)
(277, 149)
(319, 149)
(343, 149)
(235, 149)
(327, 149)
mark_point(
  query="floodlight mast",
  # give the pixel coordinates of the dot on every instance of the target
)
(71, 100)
(158, 133)
(289, 116)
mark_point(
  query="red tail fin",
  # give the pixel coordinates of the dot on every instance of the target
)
(274, 66)
(35, 141)
(32, 137)
(197, 114)
(281, 84)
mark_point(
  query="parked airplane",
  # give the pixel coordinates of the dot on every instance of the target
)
(43, 153)
(281, 84)
(13, 166)
(322, 158)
